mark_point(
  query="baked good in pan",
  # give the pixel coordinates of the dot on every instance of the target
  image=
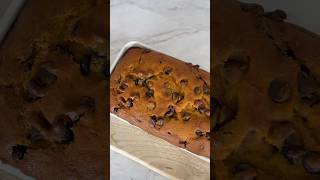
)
(53, 96)
(266, 94)
(164, 96)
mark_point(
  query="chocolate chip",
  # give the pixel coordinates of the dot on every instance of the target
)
(62, 133)
(63, 49)
(183, 142)
(177, 97)
(279, 91)
(116, 109)
(123, 86)
(206, 89)
(151, 105)
(73, 116)
(308, 87)
(199, 133)
(186, 116)
(160, 122)
(197, 90)
(293, 154)
(129, 103)
(245, 171)
(85, 63)
(139, 82)
(208, 135)
(235, 67)
(167, 70)
(226, 114)
(170, 112)
(30, 94)
(44, 78)
(311, 163)
(34, 135)
(153, 120)
(149, 93)
(184, 82)
(42, 121)
(18, 151)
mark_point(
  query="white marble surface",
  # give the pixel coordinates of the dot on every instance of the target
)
(179, 28)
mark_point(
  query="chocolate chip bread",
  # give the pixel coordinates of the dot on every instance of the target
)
(266, 95)
(53, 70)
(164, 96)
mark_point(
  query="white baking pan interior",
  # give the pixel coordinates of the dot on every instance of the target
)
(129, 45)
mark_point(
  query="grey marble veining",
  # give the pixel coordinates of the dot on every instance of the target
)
(179, 28)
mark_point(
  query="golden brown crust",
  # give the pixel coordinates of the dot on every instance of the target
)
(40, 81)
(147, 83)
(266, 91)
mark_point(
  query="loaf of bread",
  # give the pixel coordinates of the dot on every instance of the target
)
(164, 96)
(266, 95)
(53, 90)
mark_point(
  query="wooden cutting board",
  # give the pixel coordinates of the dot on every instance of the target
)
(155, 153)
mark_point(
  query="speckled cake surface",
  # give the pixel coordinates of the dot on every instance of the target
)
(164, 96)
(53, 90)
(266, 95)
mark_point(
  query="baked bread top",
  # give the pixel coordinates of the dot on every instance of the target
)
(164, 96)
(53, 90)
(266, 94)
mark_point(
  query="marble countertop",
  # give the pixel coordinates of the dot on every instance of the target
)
(180, 28)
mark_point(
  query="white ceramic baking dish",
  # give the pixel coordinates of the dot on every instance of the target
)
(124, 49)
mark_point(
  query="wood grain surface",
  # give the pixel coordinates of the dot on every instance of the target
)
(155, 153)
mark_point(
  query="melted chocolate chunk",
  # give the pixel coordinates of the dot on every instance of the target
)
(153, 120)
(279, 91)
(129, 103)
(199, 133)
(183, 142)
(177, 97)
(167, 70)
(171, 112)
(311, 163)
(293, 154)
(149, 93)
(18, 151)
(186, 116)
(34, 135)
(123, 86)
(208, 135)
(308, 87)
(206, 89)
(62, 133)
(31, 94)
(44, 78)
(184, 82)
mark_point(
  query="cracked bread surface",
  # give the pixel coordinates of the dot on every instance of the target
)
(164, 96)
(266, 95)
